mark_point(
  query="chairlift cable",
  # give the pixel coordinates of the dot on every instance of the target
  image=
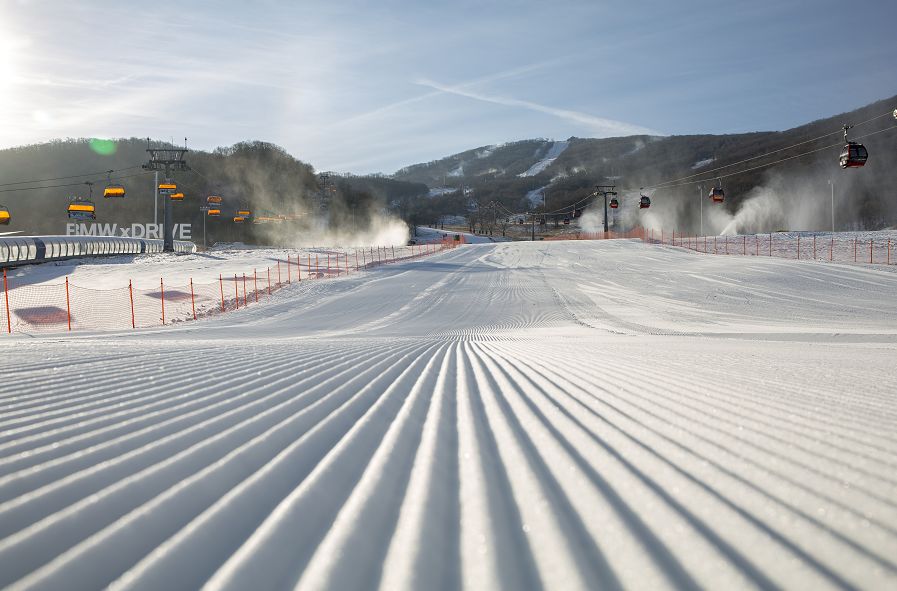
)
(668, 184)
(70, 184)
(764, 165)
(73, 176)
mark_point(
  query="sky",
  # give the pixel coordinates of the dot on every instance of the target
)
(372, 86)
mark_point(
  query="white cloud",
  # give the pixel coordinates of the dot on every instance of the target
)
(596, 125)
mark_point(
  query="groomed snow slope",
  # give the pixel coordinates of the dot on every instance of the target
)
(522, 415)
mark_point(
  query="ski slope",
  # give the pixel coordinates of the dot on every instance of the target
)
(563, 415)
(556, 149)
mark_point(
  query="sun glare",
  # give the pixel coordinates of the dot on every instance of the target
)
(7, 73)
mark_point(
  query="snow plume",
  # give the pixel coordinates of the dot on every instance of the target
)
(662, 215)
(592, 219)
(792, 203)
(372, 228)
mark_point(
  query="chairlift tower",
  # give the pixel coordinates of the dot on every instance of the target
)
(605, 190)
(323, 201)
(170, 160)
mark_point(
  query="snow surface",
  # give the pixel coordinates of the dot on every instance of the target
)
(702, 163)
(556, 149)
(559, 415)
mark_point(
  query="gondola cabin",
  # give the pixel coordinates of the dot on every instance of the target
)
(177, 196)
(214, 200)
(566, 221)
(214, 212)
(644, 202)
(614, 204)
(82, 209)
(853, 155)
(5, 218)
(114, 192)
(717, 195)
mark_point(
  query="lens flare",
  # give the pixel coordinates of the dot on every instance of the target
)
(103, 147)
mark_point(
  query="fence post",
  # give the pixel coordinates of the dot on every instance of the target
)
(831, 249)
(870, 250)
(244, 290)
(298, 269)
(814, 247)
(346, 260)
(269, 280)
(162, 291)
(798, 247)
(255, 284)
(770, 244)
(328, 266)
(131, 293)
(6, 294)
(744, 245)
(68, 305)
(278, 272)
(237, 291)
(356, 260)
(288, 269)
(393, 252)
(192, 299)
(221, 284)
(317, 268)
(756, 245)
(889, 251)
(309, 265)
(854, 249)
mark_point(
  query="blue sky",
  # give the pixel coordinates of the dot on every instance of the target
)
(373, 86)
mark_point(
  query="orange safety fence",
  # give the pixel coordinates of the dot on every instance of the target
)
(68, 307)
(831, 247)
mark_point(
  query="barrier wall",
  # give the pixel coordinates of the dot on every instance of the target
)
(68, 307)
(20, 250)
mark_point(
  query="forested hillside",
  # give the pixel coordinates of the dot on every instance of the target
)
(39, 180)
(809, 156)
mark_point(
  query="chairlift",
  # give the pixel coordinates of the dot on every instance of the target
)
(717, 195)
(244, 213)
(566, 221)
(214, 213)
(214, 200)
(81, 208)
(5, 217)
(238, 219)
(112, 190)
(854, 154)
(167, 187)
(176, 196)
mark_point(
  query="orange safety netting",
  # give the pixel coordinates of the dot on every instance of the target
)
(65, 306)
